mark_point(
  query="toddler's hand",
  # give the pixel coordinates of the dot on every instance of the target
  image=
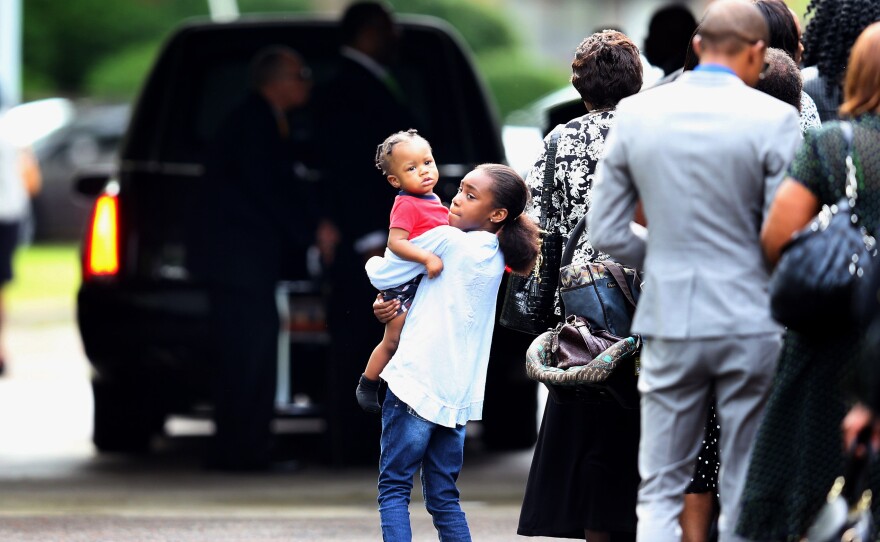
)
(434, 265)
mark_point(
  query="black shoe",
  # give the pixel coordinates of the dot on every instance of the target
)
(368, 395)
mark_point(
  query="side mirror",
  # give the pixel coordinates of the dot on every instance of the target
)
(90, 183)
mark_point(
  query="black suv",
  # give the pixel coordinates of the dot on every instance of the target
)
(141, 312)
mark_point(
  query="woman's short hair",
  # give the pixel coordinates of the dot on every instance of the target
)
(861, 91)
(782, 78)
(606, 68)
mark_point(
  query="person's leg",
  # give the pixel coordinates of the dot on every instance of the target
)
(697, 515)
(405, 438)
(2, 357)
(245, 334)
(674, 388)
(745, 368)
(367, 392)
(700, 500)
(440, 470)
(8, 240)
(384, 350)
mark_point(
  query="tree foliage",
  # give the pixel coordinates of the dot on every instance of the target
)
(64, 41)
(104, 49)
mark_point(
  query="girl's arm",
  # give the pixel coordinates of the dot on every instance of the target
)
(403, 248)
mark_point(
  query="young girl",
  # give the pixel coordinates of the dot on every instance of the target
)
(437, 377)
(406, 159)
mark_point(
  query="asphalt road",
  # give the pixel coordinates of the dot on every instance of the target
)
(54, 487)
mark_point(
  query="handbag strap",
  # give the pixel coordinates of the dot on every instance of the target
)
(549, 184)
(572, 241)
(620, 277)
(852, 183)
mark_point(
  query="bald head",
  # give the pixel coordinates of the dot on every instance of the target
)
(728, 26)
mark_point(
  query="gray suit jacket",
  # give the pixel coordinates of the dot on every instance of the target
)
(705, 155)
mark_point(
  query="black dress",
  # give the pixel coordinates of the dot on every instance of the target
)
(584, 473)
(798, 451)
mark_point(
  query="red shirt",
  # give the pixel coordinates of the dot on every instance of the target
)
(418, 214)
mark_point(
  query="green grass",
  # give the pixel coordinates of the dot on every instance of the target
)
(42, 272)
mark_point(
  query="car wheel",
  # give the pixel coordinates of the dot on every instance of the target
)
(124, 418)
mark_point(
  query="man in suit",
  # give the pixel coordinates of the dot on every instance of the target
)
(356, 109)
(257, 215)
(704, 155)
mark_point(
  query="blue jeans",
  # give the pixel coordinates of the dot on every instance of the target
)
(409, 442)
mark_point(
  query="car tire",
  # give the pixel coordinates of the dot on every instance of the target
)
(125, 419)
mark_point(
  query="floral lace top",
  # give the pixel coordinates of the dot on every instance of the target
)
(581, 144)
(809, 117)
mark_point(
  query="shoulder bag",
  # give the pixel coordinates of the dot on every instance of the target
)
(528, 300)
(591, 355)
(813, 284)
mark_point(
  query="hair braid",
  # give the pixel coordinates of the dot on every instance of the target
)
(833, 28)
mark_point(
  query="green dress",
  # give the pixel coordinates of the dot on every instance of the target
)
(797, 454)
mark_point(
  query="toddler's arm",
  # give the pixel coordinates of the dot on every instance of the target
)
(399, 244)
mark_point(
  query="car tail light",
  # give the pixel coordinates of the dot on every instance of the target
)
(102, 244)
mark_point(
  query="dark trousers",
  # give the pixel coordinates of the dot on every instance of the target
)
(245, 335)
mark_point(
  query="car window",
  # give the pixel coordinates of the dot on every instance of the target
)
(202, 77)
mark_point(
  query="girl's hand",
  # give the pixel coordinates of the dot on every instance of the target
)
(385, 310)
(434, 265)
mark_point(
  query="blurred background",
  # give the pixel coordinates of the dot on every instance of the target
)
(70, 73)
(80, 65)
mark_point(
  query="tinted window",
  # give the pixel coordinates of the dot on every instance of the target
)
(203, 75)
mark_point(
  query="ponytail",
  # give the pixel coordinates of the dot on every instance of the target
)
(519, 235)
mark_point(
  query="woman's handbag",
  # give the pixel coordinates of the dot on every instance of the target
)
(604, 293)
(813, 285)
(591, 354)
(577, 365)
(528, 301)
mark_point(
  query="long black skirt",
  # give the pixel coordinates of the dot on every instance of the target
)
(584, 473)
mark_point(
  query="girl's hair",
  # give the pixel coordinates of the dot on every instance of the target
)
(518, 237)
(833, 28)
(861, 93)
(781, 24)
(383, 151)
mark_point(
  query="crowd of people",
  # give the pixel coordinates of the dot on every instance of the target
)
(739, 433)
(699, 182)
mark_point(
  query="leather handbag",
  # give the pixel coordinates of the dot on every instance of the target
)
(578, 365)
(591, 355)
(605, 293)
(813, 284)
(528, 300)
